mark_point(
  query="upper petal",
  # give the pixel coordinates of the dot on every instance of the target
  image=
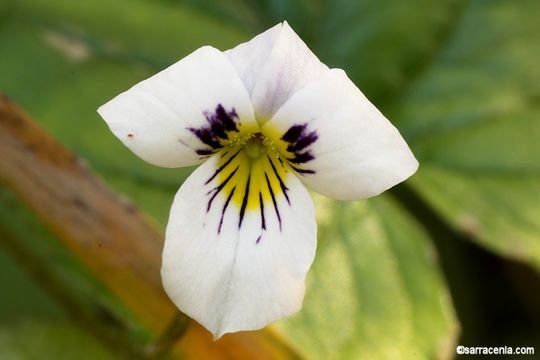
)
(171, 119)
(340, 143)
(236, 253)
(274, 65)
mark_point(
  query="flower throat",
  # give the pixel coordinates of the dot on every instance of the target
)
(252, 163)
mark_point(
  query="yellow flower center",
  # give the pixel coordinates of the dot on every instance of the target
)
(253, 172)
(253, 162)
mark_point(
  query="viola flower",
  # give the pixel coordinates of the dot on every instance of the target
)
(263, 119)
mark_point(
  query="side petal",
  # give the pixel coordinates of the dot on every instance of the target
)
(274, 65)
(234, 267)
(181, 115)
(342, 146)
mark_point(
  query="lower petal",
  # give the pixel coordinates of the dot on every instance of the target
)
(232, 267)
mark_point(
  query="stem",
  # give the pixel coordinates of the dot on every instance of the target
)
(174, 331)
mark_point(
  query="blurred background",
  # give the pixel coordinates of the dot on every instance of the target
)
(450, 257)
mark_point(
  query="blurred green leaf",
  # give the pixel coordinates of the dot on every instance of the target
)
(152, 32)
(472, 119)
(381, 44)
(24, 297)
(77, 57)
(384, 44)
(375, 290)
(242, 13)
(33, 340)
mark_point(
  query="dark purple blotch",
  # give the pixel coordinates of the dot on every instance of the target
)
(220, 121)
(299, 139)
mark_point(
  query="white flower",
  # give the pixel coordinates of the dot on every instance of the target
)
(262, 119)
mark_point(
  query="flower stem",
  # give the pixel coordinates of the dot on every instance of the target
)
(174, 331)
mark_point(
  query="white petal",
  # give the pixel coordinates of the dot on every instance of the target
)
(274, 65)
(153, 118)
(232, 277)
(357, 153)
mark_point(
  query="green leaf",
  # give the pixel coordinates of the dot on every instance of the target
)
(152, 32)
(383, 44)
(60, 63)
(50, 340)
(22, 295)
(375, 290)
(472, 119)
